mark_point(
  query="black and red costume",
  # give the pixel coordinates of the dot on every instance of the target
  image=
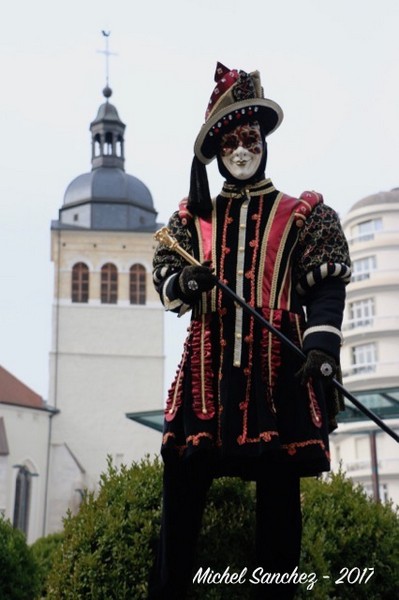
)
(237, 406)
(236, 393)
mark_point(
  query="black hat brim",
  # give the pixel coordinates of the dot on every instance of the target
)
(267, 112)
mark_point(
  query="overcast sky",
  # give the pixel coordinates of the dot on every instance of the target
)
(331, 64)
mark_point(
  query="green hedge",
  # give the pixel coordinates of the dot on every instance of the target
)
(44, 552)
(19, 577)
(107, 549)
(346, 535)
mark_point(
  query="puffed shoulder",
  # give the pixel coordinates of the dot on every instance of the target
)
(312, 197)
(322, 249)
(184, 213)
(305, 205)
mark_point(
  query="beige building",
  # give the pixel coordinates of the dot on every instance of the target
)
(370, 354)
(107, 355)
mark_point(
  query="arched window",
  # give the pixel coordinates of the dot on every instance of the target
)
(80, 283)
(96, 145)
(137, 284)
(109, 144)
(22, 499)
(109, 284)
(119, 146)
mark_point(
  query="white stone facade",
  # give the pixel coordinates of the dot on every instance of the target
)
(27, 433)
(106, 360)
(370, 358)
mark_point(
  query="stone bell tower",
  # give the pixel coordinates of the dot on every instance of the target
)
(107, 355)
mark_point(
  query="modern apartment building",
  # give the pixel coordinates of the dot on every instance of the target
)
(370, 354)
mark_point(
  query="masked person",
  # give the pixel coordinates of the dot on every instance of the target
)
(242, 403)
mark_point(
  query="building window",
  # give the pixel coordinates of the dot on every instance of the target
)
(383, 491)
(22, 499)
(80, 283)
(362, 450)
(119, 146)
(137, 284)
(364, 358)
(97, 145)
(109, 284)
(109, 144)
(363, 267)
(366, 229)
(361, 313)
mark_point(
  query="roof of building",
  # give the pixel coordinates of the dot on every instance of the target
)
(13, 391)
(109, 184)
(108, 198)
(150, 418)
(382, 402)
(107, 112)
(390, 197)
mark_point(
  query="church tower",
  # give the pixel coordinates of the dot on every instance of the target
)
(107, 356)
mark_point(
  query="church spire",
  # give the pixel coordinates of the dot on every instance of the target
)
(107, 130)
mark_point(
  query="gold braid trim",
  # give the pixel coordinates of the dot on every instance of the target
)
(277, 264)
(259, 295)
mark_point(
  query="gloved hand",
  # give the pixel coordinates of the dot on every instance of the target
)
(319, 365)
(193, 281)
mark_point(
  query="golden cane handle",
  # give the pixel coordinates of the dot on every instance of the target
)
(163, 237)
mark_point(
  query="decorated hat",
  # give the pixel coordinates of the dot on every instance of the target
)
(237, 96)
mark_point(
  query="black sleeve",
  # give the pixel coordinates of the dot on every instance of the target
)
(322, 271)
(325, 304)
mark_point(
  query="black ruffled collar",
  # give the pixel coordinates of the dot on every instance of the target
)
(265, 186)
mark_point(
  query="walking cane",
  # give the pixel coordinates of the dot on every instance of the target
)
(163, 236)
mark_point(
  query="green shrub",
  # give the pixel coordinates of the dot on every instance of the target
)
(19, 578)
(44, 552)
(346, 534)
(107, 549)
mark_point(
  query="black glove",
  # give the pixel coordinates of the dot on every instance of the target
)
(193, 281)
(318, 365)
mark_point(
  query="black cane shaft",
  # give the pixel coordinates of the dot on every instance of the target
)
(366, 411)
(163, 236)
(265, 323)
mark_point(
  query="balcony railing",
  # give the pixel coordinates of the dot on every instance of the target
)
(360, 368)
(381, 369)
(372, 235)
(385, 466)
(376, 323)
(372, 274)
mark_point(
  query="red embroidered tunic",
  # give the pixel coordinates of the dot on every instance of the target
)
(235, 396)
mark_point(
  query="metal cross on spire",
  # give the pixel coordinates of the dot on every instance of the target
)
(107, 91)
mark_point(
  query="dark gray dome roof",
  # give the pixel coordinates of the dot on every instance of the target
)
(390, 197)
(108, 184)
(107, 112)
(108, 198)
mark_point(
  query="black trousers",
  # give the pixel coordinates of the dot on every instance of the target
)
(278, 530)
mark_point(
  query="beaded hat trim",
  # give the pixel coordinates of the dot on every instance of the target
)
(237, 96)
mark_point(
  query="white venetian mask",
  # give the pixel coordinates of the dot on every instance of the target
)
(241, 151)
